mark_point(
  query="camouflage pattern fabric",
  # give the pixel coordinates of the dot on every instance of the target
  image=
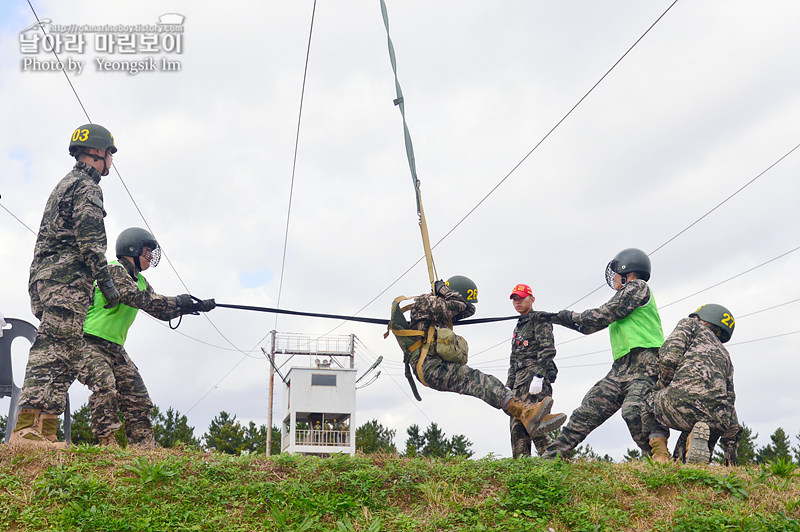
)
(695, 382)
(69, 253)
(116, 384)
(56, 353)
(160, 307)
(532, 353)
(633, 295)
(111, 375)
(623, 388)
(450, 376)
(71, 244)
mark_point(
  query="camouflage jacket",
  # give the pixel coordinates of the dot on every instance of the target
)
(693, 361)
(71, 243)
(160, 307)
(533, 347)
(633, 295)
(437, 310)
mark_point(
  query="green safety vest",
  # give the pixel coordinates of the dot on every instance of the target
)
(111, 324)
(640, 328)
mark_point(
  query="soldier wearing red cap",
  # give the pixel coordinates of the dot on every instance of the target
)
(532, 368)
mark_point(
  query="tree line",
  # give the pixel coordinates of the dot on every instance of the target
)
(226, 434)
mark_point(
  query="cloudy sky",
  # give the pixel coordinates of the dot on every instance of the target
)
(700, 107)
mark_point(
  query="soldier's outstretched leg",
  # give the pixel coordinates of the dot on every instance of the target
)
(697, 444)
(599, 404)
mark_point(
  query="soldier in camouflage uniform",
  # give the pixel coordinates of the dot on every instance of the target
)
(69, 255)
(694, 391)
(636, 334)
(453, 301)
(531, 368)
(107, 369)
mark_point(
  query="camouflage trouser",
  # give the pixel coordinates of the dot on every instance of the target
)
(670, 408)
(460, 378)
(56, 353)
(520, 439)
(622, 389)
(116, 384)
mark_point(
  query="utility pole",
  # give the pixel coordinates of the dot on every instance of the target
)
(271, 390)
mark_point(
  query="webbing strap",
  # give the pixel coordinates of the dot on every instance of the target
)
(424, 354)
(412, 165)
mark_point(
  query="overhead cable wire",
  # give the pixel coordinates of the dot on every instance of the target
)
(17, 219)
(731, 278)
(679, 233)
(682, 231)
(617, 62)
(561, 357)
(761, 339)
(294, 159)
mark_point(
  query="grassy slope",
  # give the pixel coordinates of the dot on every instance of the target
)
(93, 489)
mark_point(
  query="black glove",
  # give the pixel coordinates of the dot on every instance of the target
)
(109, 291)
(546, 316)
(185, 303)
(438, 288)
(564, 317)
(203, 305)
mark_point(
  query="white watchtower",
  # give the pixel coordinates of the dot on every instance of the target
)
(320, 400)
(320, 408)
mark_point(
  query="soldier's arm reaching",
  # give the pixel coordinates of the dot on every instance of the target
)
(633, 295)
(161, 307)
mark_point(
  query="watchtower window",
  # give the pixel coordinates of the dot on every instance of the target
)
(323, 380)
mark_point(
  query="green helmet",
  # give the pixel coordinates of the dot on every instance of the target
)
(91, 136)
(627, 261)
(718, 316)
(465, 287)
(132, 241)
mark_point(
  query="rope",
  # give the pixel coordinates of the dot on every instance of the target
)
(377, 321)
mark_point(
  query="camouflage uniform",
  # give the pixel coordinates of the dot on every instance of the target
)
(532, 354)
(109, 372)
(631, 377)
(69, 254)
(450, 376)
(695, 383)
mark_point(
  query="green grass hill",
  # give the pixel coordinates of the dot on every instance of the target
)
(96, 489)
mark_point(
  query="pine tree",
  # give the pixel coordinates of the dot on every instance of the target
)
(372, 437)
(459, 445)
(435, 442)
(778, 449)
(172, 428)
(225, 434)
(415, 441)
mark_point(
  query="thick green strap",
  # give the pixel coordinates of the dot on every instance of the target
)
(399, 101)
(401, 104)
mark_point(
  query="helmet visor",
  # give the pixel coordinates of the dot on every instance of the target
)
(153, 255)
(611, 269)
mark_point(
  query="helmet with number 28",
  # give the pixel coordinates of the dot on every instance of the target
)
(464, 286)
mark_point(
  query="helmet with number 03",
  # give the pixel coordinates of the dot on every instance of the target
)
(465, 287)
(627, 261)
(91, 136)
(718, 316)
(132, 242)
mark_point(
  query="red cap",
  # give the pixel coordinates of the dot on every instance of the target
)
(521, 290)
